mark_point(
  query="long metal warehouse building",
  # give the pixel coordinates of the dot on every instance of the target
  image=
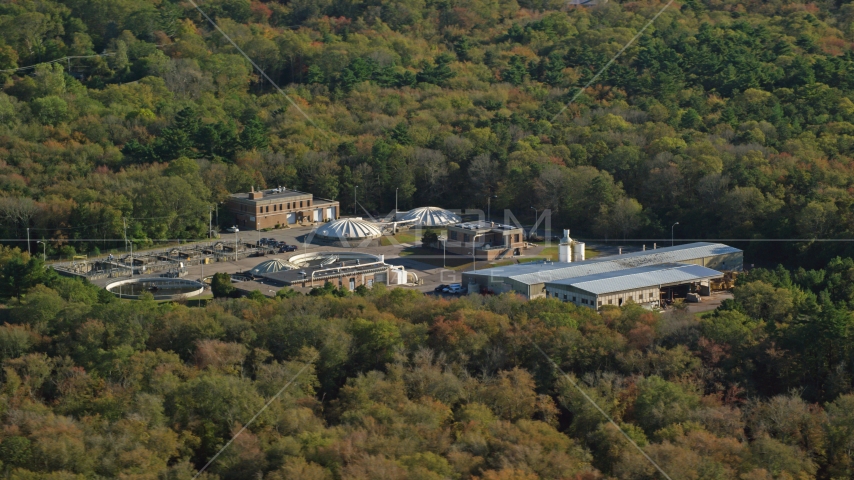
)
(641, 285)
(529, 279)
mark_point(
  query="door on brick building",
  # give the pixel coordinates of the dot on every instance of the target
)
(352, 284)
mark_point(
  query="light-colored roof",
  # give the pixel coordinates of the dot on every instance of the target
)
(271, 266)
(481, 225)
(346, 228)
(639, 277)
(431, 217)
(535, 273)
(272, 195)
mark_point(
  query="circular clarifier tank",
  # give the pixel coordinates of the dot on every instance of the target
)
(159, 287)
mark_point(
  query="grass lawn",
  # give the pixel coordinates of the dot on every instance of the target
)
(462, 263)
(430, 256)
(200, 301)
(551, 253)
(387, 241)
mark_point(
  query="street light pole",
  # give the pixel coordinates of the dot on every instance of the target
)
(671, 233)
(535, 221)
(473, 259)
(28, 240)
(443, 239)
(489, 206)
(44, 251)
(395, 204)
(354, 199)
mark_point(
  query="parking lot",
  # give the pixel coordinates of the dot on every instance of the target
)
(426, 264)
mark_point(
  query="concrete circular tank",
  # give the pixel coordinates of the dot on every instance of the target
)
(318, 259)
(160, 288)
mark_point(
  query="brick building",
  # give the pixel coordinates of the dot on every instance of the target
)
(267, 209)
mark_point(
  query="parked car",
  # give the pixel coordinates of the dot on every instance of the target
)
(453, 288)
(440, 288)
(264, 241)
(288, 248)
(232, 229)
(282, 243)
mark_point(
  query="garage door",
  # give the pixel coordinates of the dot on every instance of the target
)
(329, 214)
(292, 218)
(317, 214)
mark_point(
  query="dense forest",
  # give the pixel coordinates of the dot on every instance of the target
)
(734, 118)
(395, 385)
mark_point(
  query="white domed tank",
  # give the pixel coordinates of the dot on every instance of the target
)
(271, 266)
(578, 251)
(348, 229)
(431, 217)
(564, 249)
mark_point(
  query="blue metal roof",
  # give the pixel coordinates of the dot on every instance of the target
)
(534, 273)
(639, 277)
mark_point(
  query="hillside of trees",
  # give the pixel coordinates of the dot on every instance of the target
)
(396, 385)
(734, 118)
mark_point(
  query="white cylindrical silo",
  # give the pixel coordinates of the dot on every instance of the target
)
(578, 252)
(564, 249)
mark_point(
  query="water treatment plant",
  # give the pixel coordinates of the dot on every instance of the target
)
(160, 288)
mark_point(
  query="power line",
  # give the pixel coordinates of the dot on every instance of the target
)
(251, 420)
(105, 223)
(209, 19)
(58, 60)
(601, 411)
(601, 71)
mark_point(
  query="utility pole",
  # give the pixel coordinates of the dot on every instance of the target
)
(354, 199)
(489, 206)
(535, 221)
(473, 259)
(210, 222)
(125, 222)
(28, 240)
(395, 204)
(671, 233)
